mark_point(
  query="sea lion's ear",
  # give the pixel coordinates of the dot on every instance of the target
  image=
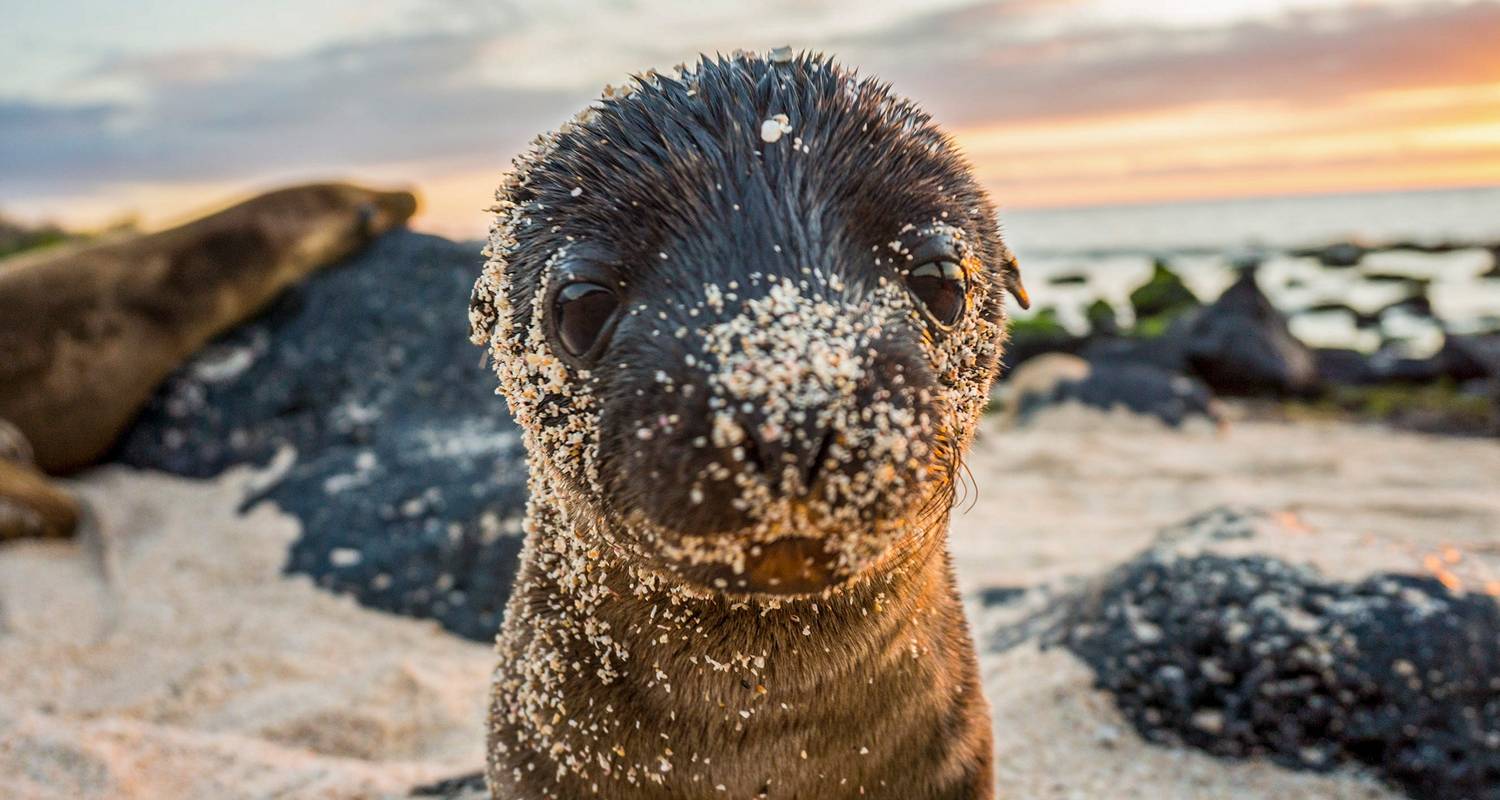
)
(1014, 286)
(481, 312)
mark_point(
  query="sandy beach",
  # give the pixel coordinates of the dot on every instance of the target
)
(167, 656)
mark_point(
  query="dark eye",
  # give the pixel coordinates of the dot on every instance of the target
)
(582, 310)
(941, 286)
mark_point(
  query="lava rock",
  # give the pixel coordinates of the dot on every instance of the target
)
(1164, 295)
(1253, 657)
(1471, 358)
(1494, 271)
(1241, 345)
(463, 787)
(1362, 320)
(1037, 335)
(1391, 366)
(1102, 319)
(1337, 256)
(1166, 352)
(1415, 284)
(1001, 595)
(409, 476)
(1343, 367)
(1139, 388)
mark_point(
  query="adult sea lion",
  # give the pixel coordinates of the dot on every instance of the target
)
(87, 334)
(747, 317)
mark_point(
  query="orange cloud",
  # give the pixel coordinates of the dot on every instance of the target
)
(1380, 140)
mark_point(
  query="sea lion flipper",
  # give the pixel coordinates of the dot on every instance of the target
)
(31, 505)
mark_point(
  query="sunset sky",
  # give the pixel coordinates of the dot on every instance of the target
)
(163, 108)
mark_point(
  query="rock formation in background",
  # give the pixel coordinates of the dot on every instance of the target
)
(1162, 298)
(408, 476)
(1241, 345)
(89, 333)
(1058, 378)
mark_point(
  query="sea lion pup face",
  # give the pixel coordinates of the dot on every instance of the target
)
(748, 316)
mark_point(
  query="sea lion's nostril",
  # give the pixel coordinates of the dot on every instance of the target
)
(814, 466)
(756, 456)
(774, 451)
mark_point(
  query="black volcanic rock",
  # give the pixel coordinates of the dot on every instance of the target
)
(1165, 352)
(1344, 367)
(1037, 335)
(1102, 319)
(1136, 387)
(1470, 358)
(1241, 345)
(1249, 656)
(1337, 256)
(409, 476)
(1164, 295)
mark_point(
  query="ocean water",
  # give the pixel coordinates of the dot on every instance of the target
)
(1112, 249)
(1429, 217)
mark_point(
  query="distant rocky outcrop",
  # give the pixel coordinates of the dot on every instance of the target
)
(1494, 271)
(1162, 298)
(1471, 358)
(1102, 319)
(1058, 379)
(1342, 255)
(1242, 345)
(1034, 335)
(17, 237)
(1069, 279)
(408, 473)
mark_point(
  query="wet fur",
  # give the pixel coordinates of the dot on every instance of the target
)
(870, 688)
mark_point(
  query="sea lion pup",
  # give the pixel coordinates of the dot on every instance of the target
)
(747, 318)
(89, 333)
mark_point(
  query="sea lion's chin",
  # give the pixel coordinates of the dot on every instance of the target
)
(796, 566)
(755, 562)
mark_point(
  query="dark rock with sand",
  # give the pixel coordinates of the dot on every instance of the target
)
(1038, 334)
(1166, 352)
(1249, 656)
(1471, 358)
(1135, 387)
(408, 474)
(1494, 271)
(1241, 345)
(1344, 367)
(1342, 255)
(1361, 319)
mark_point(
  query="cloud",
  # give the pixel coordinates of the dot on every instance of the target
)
(224, 116)
(975, 66)
(478, 80)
